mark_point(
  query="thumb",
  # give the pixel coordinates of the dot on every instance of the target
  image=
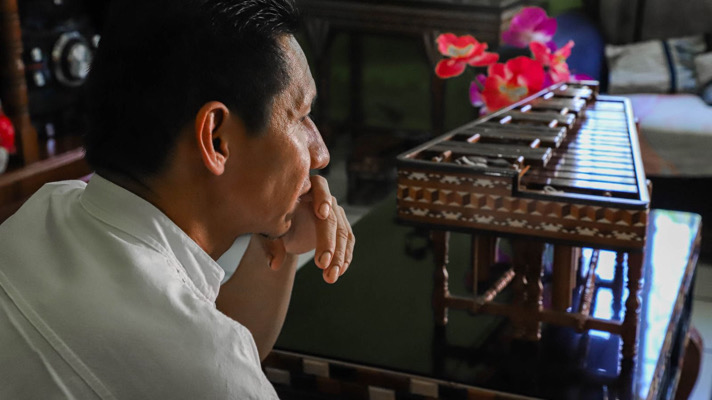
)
(275, 252)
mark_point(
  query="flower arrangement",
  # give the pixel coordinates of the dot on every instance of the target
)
(508, 82)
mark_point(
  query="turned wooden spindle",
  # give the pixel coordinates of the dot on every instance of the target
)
(632, 306)
(618, 282)
(535, 290)
(589, 289)
(440, 277)
(13, 88)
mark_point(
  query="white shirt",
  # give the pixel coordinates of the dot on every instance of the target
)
(102, 296)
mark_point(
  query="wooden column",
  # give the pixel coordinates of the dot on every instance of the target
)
(437, 85)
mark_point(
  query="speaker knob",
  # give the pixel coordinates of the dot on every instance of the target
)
(71, 58)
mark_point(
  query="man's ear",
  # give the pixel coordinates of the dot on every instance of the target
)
(210, 133)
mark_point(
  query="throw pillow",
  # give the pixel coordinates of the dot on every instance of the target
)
(703, 65)
(654, 66)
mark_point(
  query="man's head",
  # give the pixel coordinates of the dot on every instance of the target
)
(202, 108)
(160, 61)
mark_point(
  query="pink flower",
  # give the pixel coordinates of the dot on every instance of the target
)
(476, 90)
(554, 63)
(582, 77)
(510, 82)
(530, 25)
(463, 51)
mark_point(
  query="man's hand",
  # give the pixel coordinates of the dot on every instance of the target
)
(319, 222)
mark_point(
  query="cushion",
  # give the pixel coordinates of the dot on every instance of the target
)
(703, 66)
(675, 134)
(626, 21)
(654, 66)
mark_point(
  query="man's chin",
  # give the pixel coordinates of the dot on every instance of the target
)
(277, 235)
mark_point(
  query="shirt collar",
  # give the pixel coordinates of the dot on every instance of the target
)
(132, 214)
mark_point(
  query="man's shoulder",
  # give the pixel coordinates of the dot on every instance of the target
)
(50, 192)
(59, 188)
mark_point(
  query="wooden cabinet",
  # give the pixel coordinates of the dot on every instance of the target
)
(37, 160)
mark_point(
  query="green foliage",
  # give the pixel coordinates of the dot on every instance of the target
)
(556, 7)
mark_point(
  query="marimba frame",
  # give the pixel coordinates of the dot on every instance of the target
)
(444, 185)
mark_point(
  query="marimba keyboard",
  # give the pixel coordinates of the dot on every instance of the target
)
(563, 165)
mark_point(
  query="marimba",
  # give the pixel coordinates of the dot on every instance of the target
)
(561, 168)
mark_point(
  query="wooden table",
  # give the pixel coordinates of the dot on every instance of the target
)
(372, 335)
(422, 19)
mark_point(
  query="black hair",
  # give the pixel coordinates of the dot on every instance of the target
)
(160, 61)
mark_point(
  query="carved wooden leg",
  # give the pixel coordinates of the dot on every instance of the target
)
(632, 306)
(562, 275)
(528, 288)
(440, 279)
(617, 306)
(535, 290)
(482, 259)
(519, 286)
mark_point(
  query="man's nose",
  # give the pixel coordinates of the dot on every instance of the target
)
(319, 153)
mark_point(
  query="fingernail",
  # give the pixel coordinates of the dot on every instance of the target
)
(325, 259)
(324, 210)
(335, 273)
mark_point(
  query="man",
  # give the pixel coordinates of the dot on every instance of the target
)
(200, 132)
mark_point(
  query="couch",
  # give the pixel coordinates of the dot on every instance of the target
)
(675, 129)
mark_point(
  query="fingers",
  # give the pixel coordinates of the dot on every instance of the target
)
(335, 242)
(326, 239)
(349, 240)
(321, 196)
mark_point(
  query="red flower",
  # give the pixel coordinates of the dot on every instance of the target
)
(7, 134)
(463, 51)
(555, 63)
(510, 82)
